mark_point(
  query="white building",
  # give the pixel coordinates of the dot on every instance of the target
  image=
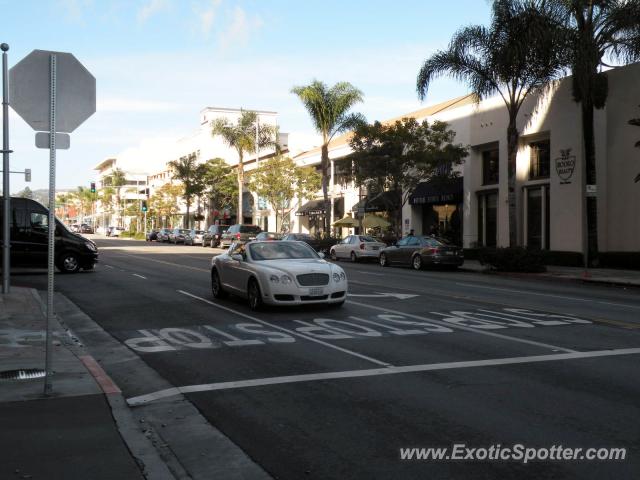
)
(550, 179)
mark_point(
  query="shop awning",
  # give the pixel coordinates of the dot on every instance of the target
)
(379, 202)
(438, 192)
(312, 207)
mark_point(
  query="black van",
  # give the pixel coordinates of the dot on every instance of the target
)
(29, 239)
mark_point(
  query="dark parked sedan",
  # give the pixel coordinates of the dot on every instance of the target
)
(239, 233)
(419, 252)
(177, 235)
(306, 238)
(268, 236)
(163, 234)
(213, 235)
(152, 235)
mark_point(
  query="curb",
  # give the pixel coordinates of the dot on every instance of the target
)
(550, 276)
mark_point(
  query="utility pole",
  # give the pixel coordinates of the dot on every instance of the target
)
(6, 236)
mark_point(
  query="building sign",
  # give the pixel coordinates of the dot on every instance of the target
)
(565, 166)
(435, 199)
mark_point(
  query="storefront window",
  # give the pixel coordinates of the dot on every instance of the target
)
(488, 219)
(490, 167)
(540, 159)
(537, 217)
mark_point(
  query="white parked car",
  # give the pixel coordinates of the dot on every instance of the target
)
(277, 273)
(357, 247)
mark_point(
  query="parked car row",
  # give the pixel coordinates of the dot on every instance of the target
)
(414, 251)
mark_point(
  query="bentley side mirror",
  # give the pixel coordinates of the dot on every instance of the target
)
(237, 257)
(321, 254)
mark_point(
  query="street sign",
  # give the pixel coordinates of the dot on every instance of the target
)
(29, 91)
(63, 141)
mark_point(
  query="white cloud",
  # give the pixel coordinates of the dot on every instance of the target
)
(240, 29)
(75, 9)
(206, 17)
(151, 8)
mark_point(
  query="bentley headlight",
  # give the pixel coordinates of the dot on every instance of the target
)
(274, 279)
(336, 277)
(90, 246)
(343, 276)
(285, 279)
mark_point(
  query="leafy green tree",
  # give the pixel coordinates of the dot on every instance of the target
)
(329, 110)
(518, 55)
(597, 30)
(26, 193)
(191, 175)
(221, 185)
(163, 204)
(241, 136)
(396, 157)
(279, 180)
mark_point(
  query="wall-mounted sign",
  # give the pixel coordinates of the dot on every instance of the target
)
(565, 166)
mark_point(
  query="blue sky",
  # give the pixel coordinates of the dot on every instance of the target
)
(159, 62)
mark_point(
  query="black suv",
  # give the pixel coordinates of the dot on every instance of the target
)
(239, 233)
(29, 231)
(213, 235)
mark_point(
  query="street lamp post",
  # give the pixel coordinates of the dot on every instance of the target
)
(6, 239)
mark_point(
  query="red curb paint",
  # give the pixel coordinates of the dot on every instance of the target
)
(106, 384)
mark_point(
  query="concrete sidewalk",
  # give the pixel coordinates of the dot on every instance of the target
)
(85, 429)
(70, 434)
(608, 276)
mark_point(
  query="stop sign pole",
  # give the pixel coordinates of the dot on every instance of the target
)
(52, 90)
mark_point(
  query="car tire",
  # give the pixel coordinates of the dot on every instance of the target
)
(354, 257)
(254, 295)
(216, 285)
(383, 260)
(333, 255)
(68, 262)
(416, 262)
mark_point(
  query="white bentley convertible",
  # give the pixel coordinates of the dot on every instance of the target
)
(277, 273)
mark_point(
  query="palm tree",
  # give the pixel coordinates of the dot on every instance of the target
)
(116, 180)
(242, 137)
(517, 56)
(187, 170)
(329, 110)
(598, 29)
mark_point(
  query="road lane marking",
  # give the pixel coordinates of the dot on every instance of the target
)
(108, 266)
(372, 372)
(549, 295)
(140, 276)
(291, 332)
(163, 262)
(399, 296)
(468, 329)
(371, 273)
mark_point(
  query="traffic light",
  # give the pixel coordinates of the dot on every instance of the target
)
(93, 187)
(143, 206)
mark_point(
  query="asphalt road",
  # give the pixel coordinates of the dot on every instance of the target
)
(414, 359)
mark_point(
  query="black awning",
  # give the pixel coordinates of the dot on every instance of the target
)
(312, 207)
(377, 202)
(438, 192)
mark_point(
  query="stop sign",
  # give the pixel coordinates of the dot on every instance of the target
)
(29, 91)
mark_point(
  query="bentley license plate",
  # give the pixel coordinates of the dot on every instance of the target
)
(316, 291)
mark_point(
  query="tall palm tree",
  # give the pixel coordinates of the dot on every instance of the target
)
(518, 55)
(329, 110)
(242, 137)
(116, 180)
(598, 30)
(187, 170)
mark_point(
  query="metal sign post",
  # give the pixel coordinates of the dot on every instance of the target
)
(52, 92)
(6, 234)
(52, 222)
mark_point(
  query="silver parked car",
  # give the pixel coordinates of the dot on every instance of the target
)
(357, 247)
(194, 237)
